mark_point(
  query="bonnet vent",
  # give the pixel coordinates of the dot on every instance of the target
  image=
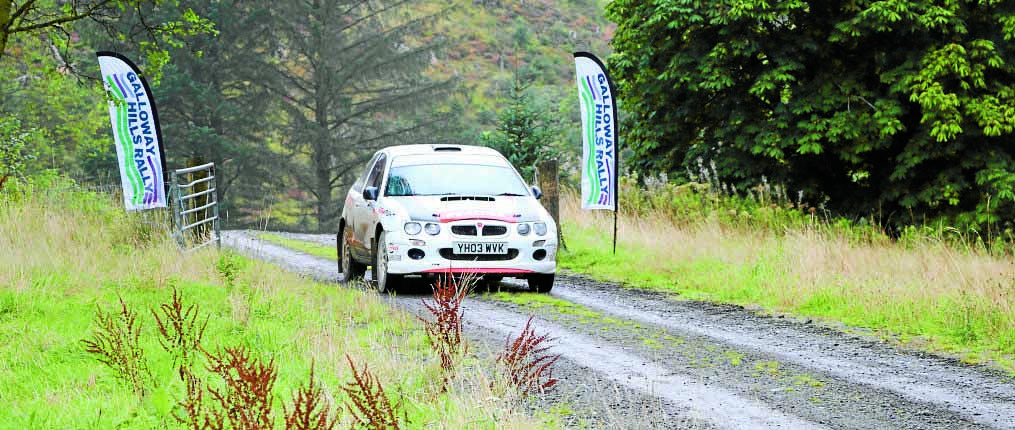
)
(477, 198)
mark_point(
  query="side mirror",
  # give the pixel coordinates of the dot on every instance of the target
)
(370, 193)
(536, 192)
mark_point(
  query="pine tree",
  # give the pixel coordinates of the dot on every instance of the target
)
(351, 74)
(523, 131)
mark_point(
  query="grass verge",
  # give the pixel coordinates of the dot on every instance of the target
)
(937, 295)
(66, 256)
(303, 246)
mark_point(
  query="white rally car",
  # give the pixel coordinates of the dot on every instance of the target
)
(428, 210)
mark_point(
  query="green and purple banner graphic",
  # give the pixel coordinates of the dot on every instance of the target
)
(599, 133)
(136, 133)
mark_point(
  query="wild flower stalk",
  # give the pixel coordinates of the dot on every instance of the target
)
(368, 403)
(116, 343)
(194, 416)
(310, 408)
(179, 330)
(246, 398)
(525, 361)
(444, 332)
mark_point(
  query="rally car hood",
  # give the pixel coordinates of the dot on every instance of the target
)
(455, 208)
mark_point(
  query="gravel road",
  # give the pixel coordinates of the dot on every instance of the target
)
(641, 359)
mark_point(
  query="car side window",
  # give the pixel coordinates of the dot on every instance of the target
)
(358, 185)
(375, 178)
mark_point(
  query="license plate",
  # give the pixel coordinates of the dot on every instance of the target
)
(480, 248)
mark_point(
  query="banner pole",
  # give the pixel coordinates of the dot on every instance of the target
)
(597, 98)
(616, 182)
(615, 232)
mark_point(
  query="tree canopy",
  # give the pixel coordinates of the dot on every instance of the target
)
(902, 107)
(56, 18)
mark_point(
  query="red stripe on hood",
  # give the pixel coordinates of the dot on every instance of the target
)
(459, 217)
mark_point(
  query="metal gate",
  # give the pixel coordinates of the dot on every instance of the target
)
(195, 207)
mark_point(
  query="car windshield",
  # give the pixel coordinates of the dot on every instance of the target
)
(463, 179)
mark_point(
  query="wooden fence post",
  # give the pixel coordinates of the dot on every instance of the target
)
(547, 176)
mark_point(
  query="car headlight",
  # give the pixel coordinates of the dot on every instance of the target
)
(433, 229)
(413, 228)
(523, 229)
(540, 228)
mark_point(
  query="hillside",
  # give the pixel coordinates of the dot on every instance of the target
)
(490, 40)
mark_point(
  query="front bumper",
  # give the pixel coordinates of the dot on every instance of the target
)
(425, 254)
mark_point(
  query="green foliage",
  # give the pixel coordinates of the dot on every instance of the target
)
(762, 208)
(524, 132)
(66, 118)
(57, 20)
(14, 151)
(898, 107)
(211, 107)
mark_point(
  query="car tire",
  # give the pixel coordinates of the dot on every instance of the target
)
(541, 283)
(385, 282)
(347, 265)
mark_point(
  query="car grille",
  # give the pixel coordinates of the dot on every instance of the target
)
(464, 230)
(470, 230)
(494, 230)
(447, 254)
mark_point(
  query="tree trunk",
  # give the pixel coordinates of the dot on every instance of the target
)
(322, 184)
(5, 25)
(548, 174)
(3, 179)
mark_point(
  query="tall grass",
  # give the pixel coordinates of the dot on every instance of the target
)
(786, 257)
(62, 256)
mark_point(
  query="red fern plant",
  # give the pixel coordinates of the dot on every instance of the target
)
(180, 331)
(369, 405)
(246, 399)
(526, 362)
(444, 332)
(116, 343)
(310, 408)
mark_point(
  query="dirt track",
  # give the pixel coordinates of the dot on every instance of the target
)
(637, 359)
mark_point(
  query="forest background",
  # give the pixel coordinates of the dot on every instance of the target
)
(290, 99)
(892, 113)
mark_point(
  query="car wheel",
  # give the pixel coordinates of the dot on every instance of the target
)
(385, 281)
(541, 283)
(347, 265)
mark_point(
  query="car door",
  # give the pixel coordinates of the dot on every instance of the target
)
(366, 218)
(351, 211)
